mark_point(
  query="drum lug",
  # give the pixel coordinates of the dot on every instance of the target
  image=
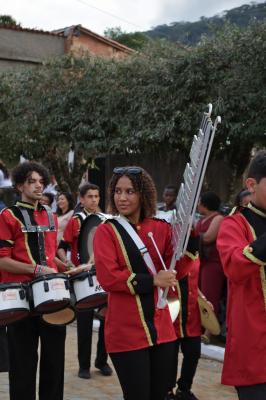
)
(67, 285)
(46, 286)
(22, 294)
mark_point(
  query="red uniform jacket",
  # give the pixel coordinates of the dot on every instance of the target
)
(188, 322)
(245, 354)
(132, 297)
(70, 236)
(24, 246)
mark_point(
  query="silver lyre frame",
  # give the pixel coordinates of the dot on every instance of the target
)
(189, 192)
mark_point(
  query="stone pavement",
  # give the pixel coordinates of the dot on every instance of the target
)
(206, 384)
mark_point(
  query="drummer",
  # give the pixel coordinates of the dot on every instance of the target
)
(21, 259)
(89, 198)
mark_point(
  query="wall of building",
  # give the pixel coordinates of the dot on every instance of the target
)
(27, 48)
(85, 43)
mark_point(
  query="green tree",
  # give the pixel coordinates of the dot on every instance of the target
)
(151, 102)
(7, 20)
(135, 40)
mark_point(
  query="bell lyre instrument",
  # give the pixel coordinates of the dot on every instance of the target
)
(188, 195)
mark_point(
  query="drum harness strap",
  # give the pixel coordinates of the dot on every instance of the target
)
(82, 215)
(39, 229)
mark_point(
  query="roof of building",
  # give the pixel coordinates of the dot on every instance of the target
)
(73, 30)
(32, 30)
(76, 30)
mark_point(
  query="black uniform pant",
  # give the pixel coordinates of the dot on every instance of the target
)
(84, 330)
(253, 392)
(3, 350)
(190, 347)
(23, 340)
(144, 374)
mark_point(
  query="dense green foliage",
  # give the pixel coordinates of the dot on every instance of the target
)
(190, 33)
(135, 40)
(7, 20)
(149, 102)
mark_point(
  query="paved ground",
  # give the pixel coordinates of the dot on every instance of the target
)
(206, 386)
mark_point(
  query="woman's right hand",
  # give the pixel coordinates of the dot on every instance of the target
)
(165, 279)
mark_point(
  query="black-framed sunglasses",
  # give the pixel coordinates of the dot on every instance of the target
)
(127, 170)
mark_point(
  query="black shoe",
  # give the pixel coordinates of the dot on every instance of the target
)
(84, 373)
(170, 396)
(105, 369)
(185, 395)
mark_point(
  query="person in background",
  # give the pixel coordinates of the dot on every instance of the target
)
(169, 198)
(89, 198)
(242, 198)
(187, 326)
(212, 279)
(53, 188)
(241, 243)
(65, 210)
(47, 199)
(167, 211)
(5, 181)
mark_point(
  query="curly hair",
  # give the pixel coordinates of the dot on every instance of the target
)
(143, 184)
(23, 171)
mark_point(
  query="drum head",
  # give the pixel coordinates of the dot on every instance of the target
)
(208, 317)
(85, 239)
(62, 317)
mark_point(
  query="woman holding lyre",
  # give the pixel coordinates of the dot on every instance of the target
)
(139, 336)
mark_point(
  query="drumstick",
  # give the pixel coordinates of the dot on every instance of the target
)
(76, 270)
(150, 234)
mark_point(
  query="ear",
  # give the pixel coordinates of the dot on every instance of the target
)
(19, 187)
(251, 184)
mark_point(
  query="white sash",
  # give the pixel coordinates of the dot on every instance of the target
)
(141, 246)
(138, 242)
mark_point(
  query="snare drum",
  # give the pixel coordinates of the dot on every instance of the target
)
(14, 302)
(50, 293)
(87, 290)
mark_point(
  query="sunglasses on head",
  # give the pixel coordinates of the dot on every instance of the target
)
(127, 170)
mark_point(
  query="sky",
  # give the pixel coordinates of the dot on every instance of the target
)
(97, 15)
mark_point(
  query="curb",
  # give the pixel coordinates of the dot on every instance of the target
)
(212, 352)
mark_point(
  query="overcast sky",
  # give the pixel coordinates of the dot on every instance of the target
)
(97, 15)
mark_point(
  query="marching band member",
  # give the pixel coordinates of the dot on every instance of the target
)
(187, 325)
(140, 337)
(242, 247)
(212, 280)
(20, 259)
(89, 198)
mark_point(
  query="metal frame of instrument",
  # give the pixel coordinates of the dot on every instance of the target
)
(189, 192)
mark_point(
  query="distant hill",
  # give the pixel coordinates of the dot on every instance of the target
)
(190, 33)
